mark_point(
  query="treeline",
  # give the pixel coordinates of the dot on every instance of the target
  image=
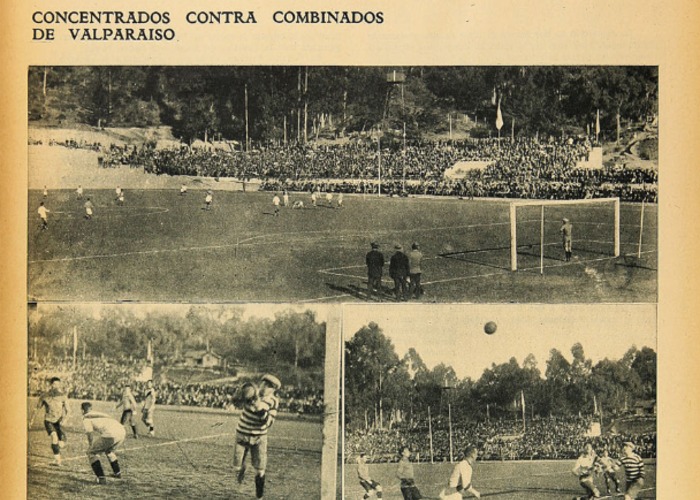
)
(381, 387)
(267, 104)
(292, 342)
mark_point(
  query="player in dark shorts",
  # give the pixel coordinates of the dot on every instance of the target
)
(55, 404)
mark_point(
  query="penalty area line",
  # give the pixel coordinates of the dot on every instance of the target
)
(158, 445)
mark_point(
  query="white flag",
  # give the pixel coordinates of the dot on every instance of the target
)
(499, 116)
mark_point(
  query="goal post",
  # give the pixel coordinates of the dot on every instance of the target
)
(535, 227)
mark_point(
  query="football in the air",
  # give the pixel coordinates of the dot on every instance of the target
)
(490, 328)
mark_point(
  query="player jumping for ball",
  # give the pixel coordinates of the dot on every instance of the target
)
(259, 413)
(56, 409)
(371, 486)
(104, 434)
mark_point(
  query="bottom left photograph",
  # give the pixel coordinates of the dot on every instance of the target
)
(176, 401)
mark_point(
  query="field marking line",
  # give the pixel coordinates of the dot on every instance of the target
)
(326, 298)
(157, 445)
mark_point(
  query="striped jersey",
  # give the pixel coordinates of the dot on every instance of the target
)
(258, 417)
(634, 467)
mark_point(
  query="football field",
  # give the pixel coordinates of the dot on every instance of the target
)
(532, 480)
(161, 246)
(191, 456)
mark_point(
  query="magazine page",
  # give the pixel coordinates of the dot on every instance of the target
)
(348, 249)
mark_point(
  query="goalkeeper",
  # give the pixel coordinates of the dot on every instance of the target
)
(258, 415)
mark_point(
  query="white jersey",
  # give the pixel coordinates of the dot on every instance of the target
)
(461, 475)
(104, 425)
(42, 211)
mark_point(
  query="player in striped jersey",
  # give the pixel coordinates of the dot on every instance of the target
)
(634, 471)
(258, 415)
(56, 409)
(104, 435)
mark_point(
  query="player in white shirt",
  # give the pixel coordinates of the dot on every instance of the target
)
(285, 198)
(79, 192)
(89, 207)
(46, 192)
(276, 204)
(461, 478)
(183, 190)
(340, 200)
(43, 215)
(586, 465)
(208, 199)
(104, 434)
(329, 199)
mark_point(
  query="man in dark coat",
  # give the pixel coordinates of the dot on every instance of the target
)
(375, 268)
(398, 270)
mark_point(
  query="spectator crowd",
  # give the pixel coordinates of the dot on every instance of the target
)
(523, 168)
(542, 439)
(103, 380)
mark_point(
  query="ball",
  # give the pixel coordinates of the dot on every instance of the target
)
(490, 328)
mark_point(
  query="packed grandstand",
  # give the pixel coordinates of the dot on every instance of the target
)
(98, 379)
(520, 168)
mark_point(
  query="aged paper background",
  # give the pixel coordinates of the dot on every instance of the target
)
(473, 32)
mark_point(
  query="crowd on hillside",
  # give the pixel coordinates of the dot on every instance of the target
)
(524, 168)
(542, 439)
(103, 380)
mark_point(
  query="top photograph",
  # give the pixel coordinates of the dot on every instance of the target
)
(330, 184)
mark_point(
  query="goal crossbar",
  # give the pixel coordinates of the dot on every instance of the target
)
(544, 203)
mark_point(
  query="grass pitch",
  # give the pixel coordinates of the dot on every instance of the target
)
(191, 456)
(161, 246)
(538, 480)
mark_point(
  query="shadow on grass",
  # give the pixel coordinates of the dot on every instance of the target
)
(361, 293)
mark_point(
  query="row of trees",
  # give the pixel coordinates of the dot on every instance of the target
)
(299, 103)
(380, 386)
(291, 342)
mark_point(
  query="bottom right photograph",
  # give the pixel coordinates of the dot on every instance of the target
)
(506, 401)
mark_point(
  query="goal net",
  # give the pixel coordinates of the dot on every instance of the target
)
(536, 230)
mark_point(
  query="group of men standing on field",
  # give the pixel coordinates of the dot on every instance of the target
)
(404, 269)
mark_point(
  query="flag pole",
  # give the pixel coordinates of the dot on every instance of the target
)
(430, 432)
(449, 423)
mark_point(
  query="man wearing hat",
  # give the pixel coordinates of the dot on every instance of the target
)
(375, 268)
(566, 228)
(415, 257)
(398, 270)
(634, 471)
